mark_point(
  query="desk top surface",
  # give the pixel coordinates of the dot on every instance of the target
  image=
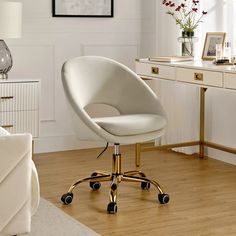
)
(196, 64)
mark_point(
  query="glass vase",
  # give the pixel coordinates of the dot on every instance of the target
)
(187, 43)
(5, 60)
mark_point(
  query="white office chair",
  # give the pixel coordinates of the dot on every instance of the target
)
(140, 117)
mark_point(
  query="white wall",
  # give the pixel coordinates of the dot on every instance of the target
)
(47, 42)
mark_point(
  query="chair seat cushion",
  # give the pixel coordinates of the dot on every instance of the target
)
(134, 124)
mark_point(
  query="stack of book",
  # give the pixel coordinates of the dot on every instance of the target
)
(171, 58)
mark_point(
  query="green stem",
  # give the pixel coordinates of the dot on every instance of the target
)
(195, 25)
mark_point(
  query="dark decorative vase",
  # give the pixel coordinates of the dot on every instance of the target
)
(187, 43)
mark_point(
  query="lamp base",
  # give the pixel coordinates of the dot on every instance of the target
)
(5, 60)
(3, 76)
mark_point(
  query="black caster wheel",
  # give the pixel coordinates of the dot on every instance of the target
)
(67, 198)
(94, 185)
(112, 208)
(163, 198)
(145, 185)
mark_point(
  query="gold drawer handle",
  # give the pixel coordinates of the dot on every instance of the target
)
(7, 126)
(198, 76)
(7, 97)
(155, 70)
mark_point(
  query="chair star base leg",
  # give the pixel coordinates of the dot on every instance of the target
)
(116, 177)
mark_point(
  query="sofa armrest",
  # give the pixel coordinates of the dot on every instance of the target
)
(15, 183)
(35, 190)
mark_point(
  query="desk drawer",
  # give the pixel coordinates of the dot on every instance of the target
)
(20, 122)
(155, 71)
(230, 80)
(18, 96)
(200, 77)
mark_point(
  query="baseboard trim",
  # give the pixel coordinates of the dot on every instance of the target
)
(221, 156)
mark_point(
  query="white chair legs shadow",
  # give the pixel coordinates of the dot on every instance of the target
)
(116, 177)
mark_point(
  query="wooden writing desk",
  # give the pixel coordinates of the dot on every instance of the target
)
(200, 73)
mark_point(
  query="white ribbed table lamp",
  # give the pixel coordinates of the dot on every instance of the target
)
(10, 27)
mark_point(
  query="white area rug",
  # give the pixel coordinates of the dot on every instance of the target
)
(51, 221)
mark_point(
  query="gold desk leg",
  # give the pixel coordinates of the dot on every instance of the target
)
(202, 122)
(137, 154)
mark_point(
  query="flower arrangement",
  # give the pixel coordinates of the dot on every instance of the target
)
(185, 14)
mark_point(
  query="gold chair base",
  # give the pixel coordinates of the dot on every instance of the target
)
(115, 178)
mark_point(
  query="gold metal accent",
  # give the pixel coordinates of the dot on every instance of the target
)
(155, 70)
(144, 148)
(101, 172)
(7, 126)
(102, 178)
(143, 78)
(198, 76)
(220, 147)
(113, 189)
(134, 172)
(137, 154)
(116, 164)
(7, 97)
(142, 179)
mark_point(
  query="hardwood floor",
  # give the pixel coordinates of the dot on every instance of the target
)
(203, 193)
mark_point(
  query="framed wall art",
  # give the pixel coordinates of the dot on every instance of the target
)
(82, 8)
(212, 38)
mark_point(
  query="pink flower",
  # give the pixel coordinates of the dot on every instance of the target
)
(178, 8)
(185, 14)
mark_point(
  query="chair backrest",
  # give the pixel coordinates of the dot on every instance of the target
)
(98, 80)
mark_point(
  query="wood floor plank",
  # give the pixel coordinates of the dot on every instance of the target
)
(203, 193)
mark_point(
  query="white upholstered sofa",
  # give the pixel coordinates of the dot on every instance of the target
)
(19, 186)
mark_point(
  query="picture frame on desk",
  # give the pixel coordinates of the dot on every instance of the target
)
(81, 8)
(211, 39)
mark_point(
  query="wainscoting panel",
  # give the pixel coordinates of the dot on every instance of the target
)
(122, 53)
(37, 62)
